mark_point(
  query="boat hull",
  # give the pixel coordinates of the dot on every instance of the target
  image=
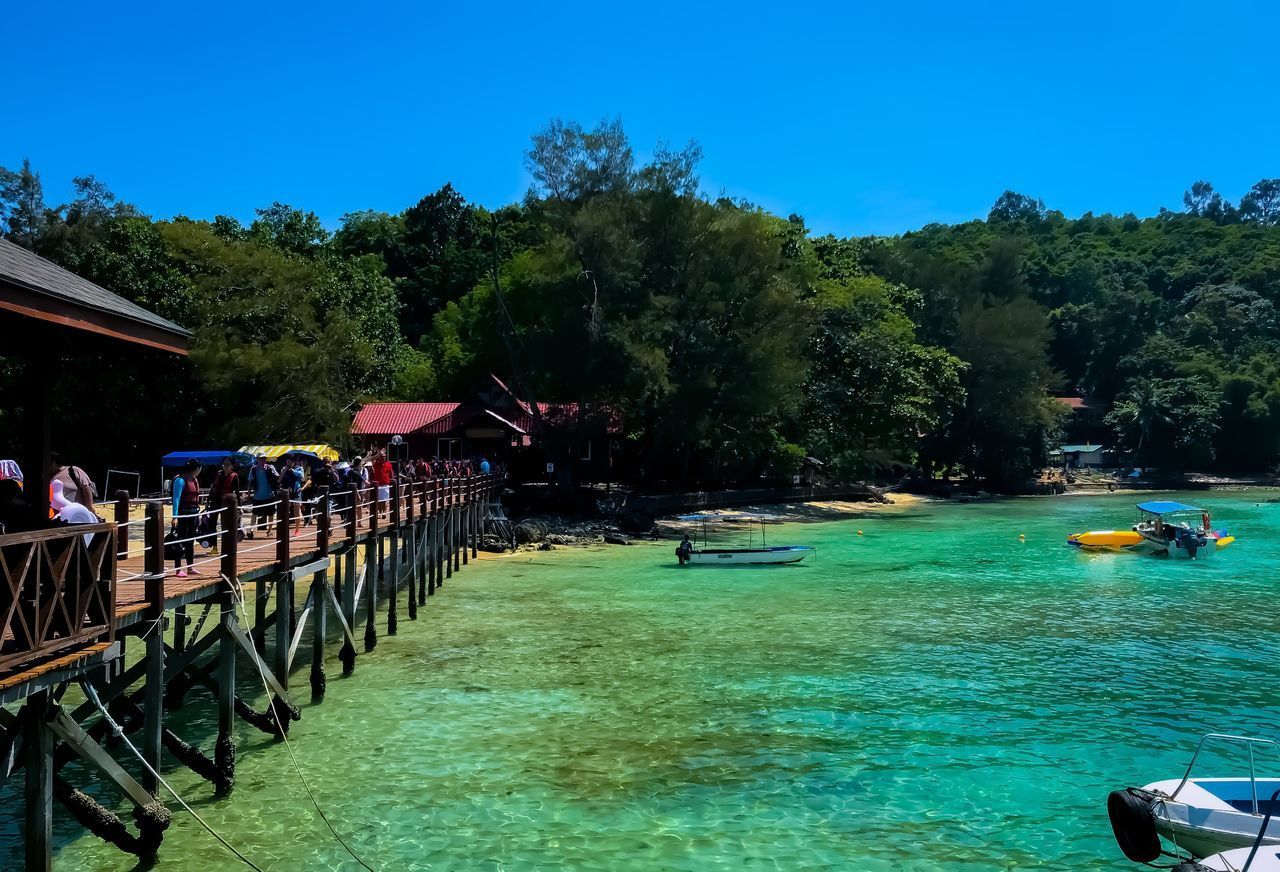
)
(1137, 543)
(1213, 815)
(782, 554)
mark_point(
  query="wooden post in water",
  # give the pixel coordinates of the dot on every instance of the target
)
(410, 544)
(433, 527)
(457, 523)
(394, 547)
(478, 509)
(225, 749)
(37, 751)
(371, 576)
(153, 690)
(420, 546)
(347, 654)
(284, 591)
(468, 517)
(320, 600)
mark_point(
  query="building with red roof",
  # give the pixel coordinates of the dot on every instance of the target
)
(497, 424)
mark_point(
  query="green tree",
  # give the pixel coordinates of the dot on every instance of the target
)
(23, 214)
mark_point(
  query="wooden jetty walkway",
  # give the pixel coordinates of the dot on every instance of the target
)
(71, 598)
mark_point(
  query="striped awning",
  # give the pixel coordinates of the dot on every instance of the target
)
(324, 452)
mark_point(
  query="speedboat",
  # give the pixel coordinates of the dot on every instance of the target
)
(1202, 816)
(689, 553)
(1165, 528)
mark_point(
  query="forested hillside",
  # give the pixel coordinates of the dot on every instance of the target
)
(734, 342)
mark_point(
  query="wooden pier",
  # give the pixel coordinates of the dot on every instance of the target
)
(72, 598)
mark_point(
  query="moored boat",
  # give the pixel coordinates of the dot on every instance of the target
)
(764, 555)
(1202, 816)
(1164, 528)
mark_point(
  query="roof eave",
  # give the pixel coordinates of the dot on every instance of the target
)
(30, 302)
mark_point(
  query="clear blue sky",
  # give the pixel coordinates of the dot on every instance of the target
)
(864, 118)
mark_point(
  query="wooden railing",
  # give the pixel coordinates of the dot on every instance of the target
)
(56, 591)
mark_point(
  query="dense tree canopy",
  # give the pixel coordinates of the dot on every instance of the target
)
(732, 342)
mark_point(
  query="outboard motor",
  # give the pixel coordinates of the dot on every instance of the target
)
(1189, 541)
(1133, 821)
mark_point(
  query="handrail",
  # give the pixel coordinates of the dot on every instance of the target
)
(58, 601)
(1249, 742)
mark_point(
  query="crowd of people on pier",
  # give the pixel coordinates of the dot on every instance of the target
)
(259, 486)
(72, 495)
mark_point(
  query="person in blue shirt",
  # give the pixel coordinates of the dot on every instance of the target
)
(484, 466)
(291, 481)
(263, 481)
(186, 512)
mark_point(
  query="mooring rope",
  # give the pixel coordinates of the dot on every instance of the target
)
(116, 730)
(240, 601)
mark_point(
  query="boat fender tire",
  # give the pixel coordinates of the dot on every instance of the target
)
(1134, 824)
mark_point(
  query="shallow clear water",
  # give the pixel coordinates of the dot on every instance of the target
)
(932, 695)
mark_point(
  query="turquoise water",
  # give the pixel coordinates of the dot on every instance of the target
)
(932, 695)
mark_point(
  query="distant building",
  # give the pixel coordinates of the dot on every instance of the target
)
(575, 439)
(1083, 455)
(1084, 422)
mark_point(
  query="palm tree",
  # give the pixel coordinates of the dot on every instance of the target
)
(1146, 404)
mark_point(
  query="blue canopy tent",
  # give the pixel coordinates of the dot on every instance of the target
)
(206, 458)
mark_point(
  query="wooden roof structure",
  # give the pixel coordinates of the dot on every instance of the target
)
(32, 287)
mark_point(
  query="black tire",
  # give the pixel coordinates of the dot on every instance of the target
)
(1134, 825)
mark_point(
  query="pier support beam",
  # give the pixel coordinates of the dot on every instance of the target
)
(37, 750)
(320, 600)
(372, 572)
(394, 546)
(347, 654)
(224, 750)
(153, 698)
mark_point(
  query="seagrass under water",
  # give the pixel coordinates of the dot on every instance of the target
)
(933, 695)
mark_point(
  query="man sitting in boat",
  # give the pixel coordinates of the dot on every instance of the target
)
(684, 549)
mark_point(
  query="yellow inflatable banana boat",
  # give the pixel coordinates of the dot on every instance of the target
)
(1115, 539)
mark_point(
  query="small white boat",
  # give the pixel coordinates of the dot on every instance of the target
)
(1201, 816)
(758, 556)
(689, 553)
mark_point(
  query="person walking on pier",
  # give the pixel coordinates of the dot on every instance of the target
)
(291, 481)
(186, 513)
(263, 481)
(226, 483)
(382, 475)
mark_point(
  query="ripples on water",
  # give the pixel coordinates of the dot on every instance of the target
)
(933, 695)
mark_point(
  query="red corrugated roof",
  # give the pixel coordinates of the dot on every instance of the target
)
(1075, 403)
(377, 419)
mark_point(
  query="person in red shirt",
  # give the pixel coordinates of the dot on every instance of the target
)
(382, 475)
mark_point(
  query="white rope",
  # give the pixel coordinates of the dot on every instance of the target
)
(117, 731)
(238, 590)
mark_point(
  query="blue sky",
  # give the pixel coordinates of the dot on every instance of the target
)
(864, 118)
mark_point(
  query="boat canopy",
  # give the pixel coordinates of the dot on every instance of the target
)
(1165, 507)
(324, 452)
(736, 516)
(207, 457)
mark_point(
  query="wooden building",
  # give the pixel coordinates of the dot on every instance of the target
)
(577, 441)
(58, 591)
